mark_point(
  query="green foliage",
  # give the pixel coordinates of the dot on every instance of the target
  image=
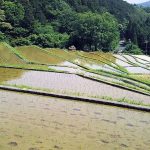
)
(2, 37)
(2, 15)
(96, 31)
(4, 25)
(132, 49)
(56, 8)
(50, 40)
(66, 19)
(20, 42)
(45, 36)
(14, 12)
(147, 9)
(18, 32)
(42, 29)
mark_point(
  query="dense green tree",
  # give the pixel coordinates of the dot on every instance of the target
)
(2, 36)
(20, 42)
(49, 40)
(3, 24)
(45, 36)
(64, 18)
(56, 8)
(95, 30)
(66, 21)
(132, 49)
(14, 12)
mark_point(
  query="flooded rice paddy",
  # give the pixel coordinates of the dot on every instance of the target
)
(70, 83)
(137, 70)
(134, 64)
(29, 122)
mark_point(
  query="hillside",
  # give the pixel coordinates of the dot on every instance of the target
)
(145, 4)
(59, 23)
(118, 8)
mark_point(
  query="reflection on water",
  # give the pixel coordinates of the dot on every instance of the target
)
(142, 58)
(126, 60)
(138, 70)
(30, 122)
(79, 70)
(66, 63)
(122, 63)
(102, 67)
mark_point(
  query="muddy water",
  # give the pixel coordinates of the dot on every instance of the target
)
(30, 122)
(70, 83)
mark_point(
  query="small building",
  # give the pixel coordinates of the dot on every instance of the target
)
(72, 48)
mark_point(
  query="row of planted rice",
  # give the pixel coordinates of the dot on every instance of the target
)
(133, 63)
(145, 78)
(69, 84)
(29, 122)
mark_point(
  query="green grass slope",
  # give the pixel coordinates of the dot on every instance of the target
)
(8, 55)
(37, 55)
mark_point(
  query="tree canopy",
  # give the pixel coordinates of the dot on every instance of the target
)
(87, 24)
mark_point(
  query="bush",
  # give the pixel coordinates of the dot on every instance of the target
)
(20, 42)
(132, 49)
(49, 40)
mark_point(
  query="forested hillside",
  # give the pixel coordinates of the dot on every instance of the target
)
(87, 24)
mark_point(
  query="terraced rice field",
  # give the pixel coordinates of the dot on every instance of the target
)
(7, 55)
(69, 84)
(145, 78)
(29, 122)
(37, 55)
(123, 70)
(133, 64)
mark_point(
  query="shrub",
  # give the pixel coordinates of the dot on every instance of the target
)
(20, 42)
(132, 49)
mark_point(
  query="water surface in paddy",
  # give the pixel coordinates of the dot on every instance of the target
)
(143, 58)
(102, 67)
(30, 122)
(122, 61)
(70, 83)
(79, 70)
(137, 70)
